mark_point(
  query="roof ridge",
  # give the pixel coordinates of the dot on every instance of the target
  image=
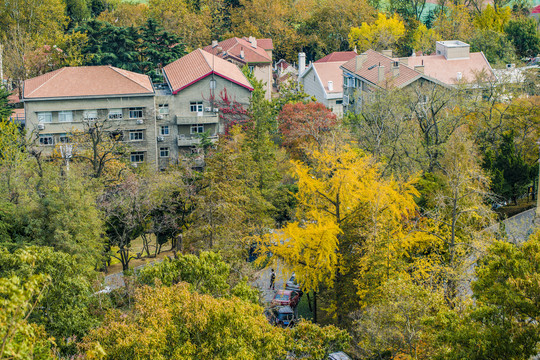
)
(119, 72)
(205, 59)
(52, 77)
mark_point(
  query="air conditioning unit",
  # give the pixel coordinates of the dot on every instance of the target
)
(140, 121)
(159, 117)
(160, 139)
(200, 113)
(41, 126)
(134, 164)
(208, 109)
(216, 110)
(345, 99)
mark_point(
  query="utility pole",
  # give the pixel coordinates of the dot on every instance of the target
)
(537, 213)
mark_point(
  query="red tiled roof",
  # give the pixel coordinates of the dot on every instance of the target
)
(369, 70)
(199, 64)
(535, 10)
(233, 46)
(338, 56)
(438, 67)
(266, 44)
(330, 71)
(87, 81)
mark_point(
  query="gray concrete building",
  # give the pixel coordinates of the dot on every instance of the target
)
(159, 123)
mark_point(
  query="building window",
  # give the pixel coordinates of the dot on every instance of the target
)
(135, 113)
(115, 114)
(164, 152)
(164, 130)
(339, 101)
(212, 84)
(46, 139)
(63, 139)
(44, 117)
(90, 115)
(163, 109)
(196, 106)
(251, 68)
(136, 135)
(137, 157)
(65, 116)
(197, 128)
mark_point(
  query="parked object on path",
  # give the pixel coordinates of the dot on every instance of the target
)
(281, 316)
(286, 298)
(292, 285)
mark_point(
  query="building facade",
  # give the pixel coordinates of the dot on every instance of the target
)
(159, 124)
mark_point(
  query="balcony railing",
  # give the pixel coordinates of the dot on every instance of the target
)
(210, 118)
(192, 140)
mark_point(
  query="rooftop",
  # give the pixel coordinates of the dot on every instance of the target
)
(337, 56)
(254, 50)
(199, 64)
(87, 81)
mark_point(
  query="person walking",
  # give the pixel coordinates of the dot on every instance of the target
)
(272, 280)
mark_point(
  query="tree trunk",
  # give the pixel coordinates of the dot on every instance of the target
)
(314, 307)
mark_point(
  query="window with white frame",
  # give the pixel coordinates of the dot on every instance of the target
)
(136, 135)
(164, 152)
(164, 130)
(65, 116)
(163, 109)
(46, 139)
(90, 115)
(137, 157)
(197, 128)
(251, 68)
(196, 106)
(115, 114)
(136, 113)
(212, 84)
(44, 117)
(63, 138)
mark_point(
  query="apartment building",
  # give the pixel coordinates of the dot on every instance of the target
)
(159, 123)
(62, 101)
(255, 53)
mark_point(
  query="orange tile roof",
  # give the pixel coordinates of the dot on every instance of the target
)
(232, 48)
(87, 81)
(330, 71)
(199, 64)
(369, 70)
(338, 56)
(438, 67)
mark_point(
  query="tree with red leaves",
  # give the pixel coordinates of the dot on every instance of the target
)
(300, 123)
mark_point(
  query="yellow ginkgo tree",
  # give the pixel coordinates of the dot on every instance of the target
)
(344, 209)
(382, 34)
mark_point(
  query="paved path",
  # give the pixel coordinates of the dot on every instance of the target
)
(263, 281)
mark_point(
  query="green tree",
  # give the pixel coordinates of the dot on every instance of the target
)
(175, 323)
(5, 109)
(64, 305)
(21, 339)
(523, 33)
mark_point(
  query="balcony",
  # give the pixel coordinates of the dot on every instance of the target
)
(207, 118)
(184, 140)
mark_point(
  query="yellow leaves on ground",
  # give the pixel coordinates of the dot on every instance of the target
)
(380, 35)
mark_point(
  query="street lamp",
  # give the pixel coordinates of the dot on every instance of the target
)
(66, 150)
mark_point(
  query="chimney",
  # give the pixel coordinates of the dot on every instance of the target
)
(360, 59)
(242, 53)
(301, 63)
(419, 68)
(395, 68)
(381, 73)
(404, 60)
(330, 86)
(253, 41)
(387, 52)
(214, 43)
